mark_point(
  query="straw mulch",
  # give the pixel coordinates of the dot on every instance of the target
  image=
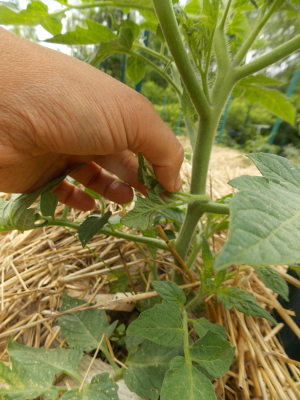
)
(38, 265)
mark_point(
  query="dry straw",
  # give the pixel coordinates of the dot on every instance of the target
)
(37, 266)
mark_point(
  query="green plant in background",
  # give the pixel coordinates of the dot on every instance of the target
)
(204, 55)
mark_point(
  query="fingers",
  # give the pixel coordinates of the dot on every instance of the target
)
(154, 139)
(73, 196)
(96, 178)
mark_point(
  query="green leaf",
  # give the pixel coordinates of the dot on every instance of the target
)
(272, 100)
(265, 215)
(175, 214)
(213, 353)
(193, 7)
(121, 44)
(147, 368)
(202, 326)
(135, 28)
(50, 361)
(100, 388)
(15, 214)
(94, 34)
(170, 292)
(83, 329)
(273, 280)
(48, 204)
(145, 173)
(207, 256)
(183, 381)
(161, 324)
(136, 69)
(36, 13)
(91, 226)
(142, 214)
(21, 383)
(232, 296)
(52, 25)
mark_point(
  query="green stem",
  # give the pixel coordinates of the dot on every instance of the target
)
(167, 19)
(183, 242)
(216, 208)
(254, 34)
(156, 68)
(195, 301)
(153, 53)
(225, 15)
(110, 359)
(65, 212)
(196, 248)
(105, 231)
(268, 59)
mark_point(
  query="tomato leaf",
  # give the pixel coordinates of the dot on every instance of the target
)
(100, 388)
(21, 383)
(83, 329)
(213, 353)
(148, 365)
(265, 215)
(202, 326)
(91, 226)
(93, 34)
(273, 280)
(161, 324)
(136, 69)
(232, 296)
(170, 292)
(183, 381)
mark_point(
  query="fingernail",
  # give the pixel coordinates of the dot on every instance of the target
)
(178, 184)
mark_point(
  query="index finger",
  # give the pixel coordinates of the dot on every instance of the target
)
(159, 145)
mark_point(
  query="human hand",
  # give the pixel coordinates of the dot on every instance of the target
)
(57, 112)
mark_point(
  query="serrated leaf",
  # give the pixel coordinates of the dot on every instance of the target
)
(213, 353)
(265, 215)
(15, 214)
(121, 44)
(147, 368)
(175, 214)
(183, 381)
(202, 326)
(272, 100)
(93, 34)
(232, 296)
(83, 329)
(21, 383)
(273, 280)
(91, 226)
(100, 388)
(207, 256)
(142, 214)
(50, 361)
(169, 291)
(32, 15)
(161, 324)
(136, 69)
(145, 173)
(48, 204)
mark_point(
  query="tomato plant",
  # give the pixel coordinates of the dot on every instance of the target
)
(207, 53)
